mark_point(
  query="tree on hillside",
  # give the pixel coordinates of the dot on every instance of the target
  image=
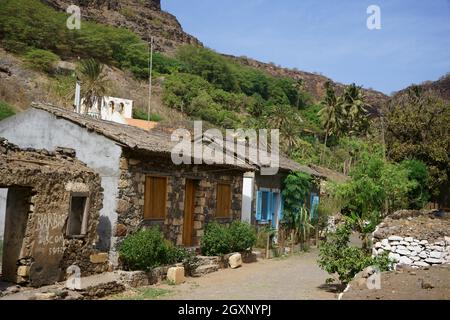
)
(329, 114)
(418, 127)
(354, 115)
(94, 84)
(286, 119)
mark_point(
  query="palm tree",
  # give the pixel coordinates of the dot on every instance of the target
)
(286, 119)
(329, 114)
(298, 85)
(354, 111)
(93, 82)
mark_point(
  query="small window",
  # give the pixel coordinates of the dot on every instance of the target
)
(77, 223)
(223, 209)
(155, 197)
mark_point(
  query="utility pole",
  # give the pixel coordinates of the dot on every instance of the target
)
(150, 67)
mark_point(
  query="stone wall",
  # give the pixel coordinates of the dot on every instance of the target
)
(136, 167)
(416, 238)
(414, 252)
(42, 183)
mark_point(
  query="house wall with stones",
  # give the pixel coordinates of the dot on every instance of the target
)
(135, 168)
(39, 129)
(40, 185)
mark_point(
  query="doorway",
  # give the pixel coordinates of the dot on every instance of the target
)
(189, 207)
(15, 223)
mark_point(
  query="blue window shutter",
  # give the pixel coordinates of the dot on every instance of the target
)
(258, 205)
(269, 206)
(314, 204)
(280, 214)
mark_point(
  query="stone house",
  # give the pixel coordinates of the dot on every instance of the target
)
(142, 187)
(263, 202)
(52, 206)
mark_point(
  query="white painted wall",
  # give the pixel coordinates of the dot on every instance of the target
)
(3, 195)
(41, 130)
(247, 196)
(112, 109)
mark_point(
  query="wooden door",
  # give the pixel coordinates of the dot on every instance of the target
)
(189, 204)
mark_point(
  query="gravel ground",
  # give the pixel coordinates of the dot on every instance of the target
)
(296, 277)
(407, 284)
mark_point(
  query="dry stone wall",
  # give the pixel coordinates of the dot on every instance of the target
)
(415, 238)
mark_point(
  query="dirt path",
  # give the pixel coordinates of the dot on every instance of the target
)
(297, 277)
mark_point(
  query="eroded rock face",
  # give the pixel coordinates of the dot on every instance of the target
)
(144, 17)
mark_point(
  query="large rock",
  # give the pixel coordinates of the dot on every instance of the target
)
(205, 269)
(433, 261)
(420, 264)
(403, 252)
(436, 254)
(176, 275)
(101, 257)
(405, 260)
(394, 256)
(235, 261)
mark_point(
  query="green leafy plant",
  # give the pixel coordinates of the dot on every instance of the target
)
(41, 60)
(142, 115)
(216, 240)
(6, 110)
(147, 249)
(221, 239)
(295, 215)
(242, 235)
(337, 257)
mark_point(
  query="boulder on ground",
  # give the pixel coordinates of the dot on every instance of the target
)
(235, 261)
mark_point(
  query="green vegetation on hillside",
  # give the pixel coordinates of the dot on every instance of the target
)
(6, 110)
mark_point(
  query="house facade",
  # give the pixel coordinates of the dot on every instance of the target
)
(263, 193)
(141, 185)
(51, 214)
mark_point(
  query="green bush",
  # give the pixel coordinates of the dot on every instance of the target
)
(216, 240)
(147, 249)
(142, 115)
(41, 60)
(6, 110)
(221, 239)
(337, 257)
(242, 235)
(419, 195)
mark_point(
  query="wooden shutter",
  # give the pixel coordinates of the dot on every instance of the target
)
(155, 197)
(223, 209)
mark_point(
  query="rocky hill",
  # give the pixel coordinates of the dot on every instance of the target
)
(313, 83)
(144, 17)
(440, 87)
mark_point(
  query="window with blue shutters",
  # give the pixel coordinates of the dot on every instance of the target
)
(264, 206)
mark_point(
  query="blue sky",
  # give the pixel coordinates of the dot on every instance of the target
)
(328, 37)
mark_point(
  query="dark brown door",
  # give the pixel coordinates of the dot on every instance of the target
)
(188, 223)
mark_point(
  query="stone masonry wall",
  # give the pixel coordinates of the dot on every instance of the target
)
(135, 168)
(416, 238)
(47, 180)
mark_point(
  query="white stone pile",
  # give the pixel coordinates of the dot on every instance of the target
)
(414, 252)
